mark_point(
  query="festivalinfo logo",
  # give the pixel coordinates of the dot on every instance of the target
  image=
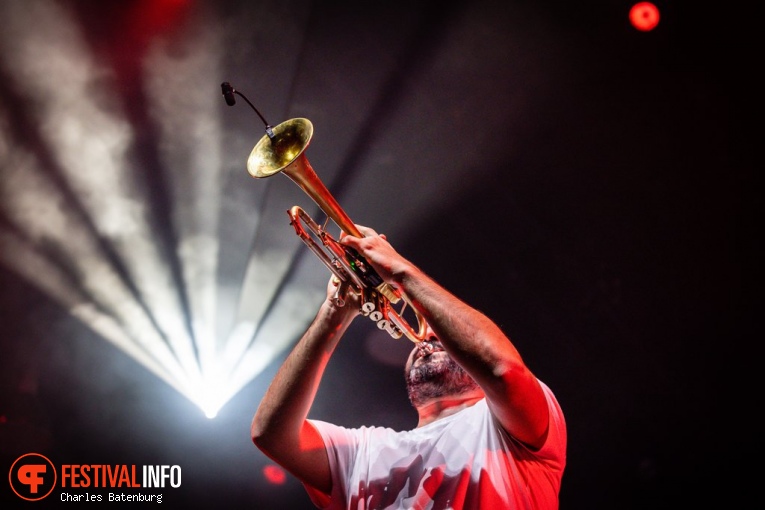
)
(33, 477)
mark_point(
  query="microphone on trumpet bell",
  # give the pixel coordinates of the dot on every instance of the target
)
(228, 93)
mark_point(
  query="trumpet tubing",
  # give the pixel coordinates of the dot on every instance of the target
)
(282, 150)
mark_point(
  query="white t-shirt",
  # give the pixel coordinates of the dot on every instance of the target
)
(463, 461)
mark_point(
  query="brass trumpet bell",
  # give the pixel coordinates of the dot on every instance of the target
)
(272, 155)
(285, 152)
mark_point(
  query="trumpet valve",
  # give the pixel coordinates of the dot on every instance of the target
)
(368, 307)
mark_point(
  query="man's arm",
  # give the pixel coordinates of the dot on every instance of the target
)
(471, 339)
(279, 428)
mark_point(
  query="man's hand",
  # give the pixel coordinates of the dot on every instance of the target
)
(376, 249)
(342, 297)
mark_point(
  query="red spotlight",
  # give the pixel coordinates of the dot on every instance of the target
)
(274, 474)
(644, 16)
(152, 17)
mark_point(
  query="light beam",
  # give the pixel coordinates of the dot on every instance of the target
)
(79, 222)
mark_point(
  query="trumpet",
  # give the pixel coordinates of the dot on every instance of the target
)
(282, 150)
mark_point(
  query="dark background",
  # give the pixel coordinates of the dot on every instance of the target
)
(588, 186)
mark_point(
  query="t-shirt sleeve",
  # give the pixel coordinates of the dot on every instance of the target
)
(341, 445)
(554, 449)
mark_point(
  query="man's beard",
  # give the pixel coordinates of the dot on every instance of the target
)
(437, 378)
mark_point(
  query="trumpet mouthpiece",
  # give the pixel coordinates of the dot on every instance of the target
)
(425, 348)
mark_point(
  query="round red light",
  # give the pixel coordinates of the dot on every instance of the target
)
(644, 16)
(274, 474)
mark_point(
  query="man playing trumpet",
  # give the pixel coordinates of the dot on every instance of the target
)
(490, 435)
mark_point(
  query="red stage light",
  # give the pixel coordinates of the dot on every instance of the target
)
(274, 474)
(147, 19)
(644, 16)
